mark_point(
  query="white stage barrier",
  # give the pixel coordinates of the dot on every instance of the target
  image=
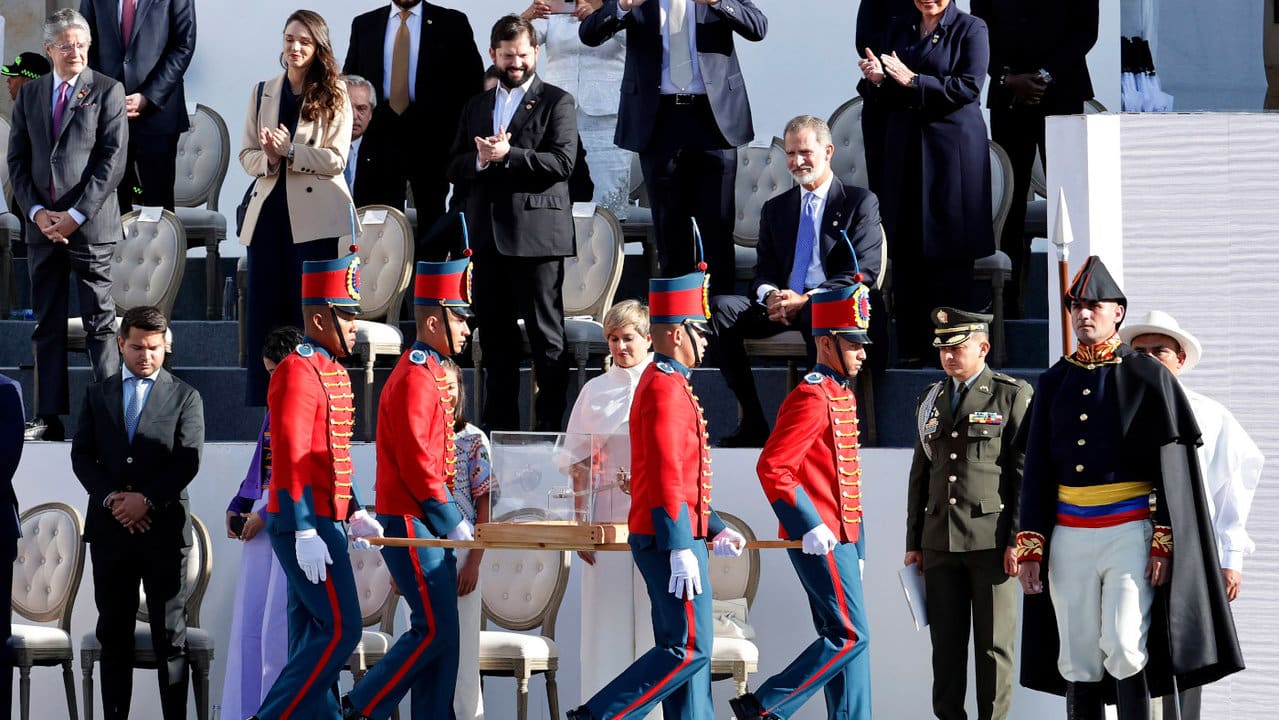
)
(899, 654)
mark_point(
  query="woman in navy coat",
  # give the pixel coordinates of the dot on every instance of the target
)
(935, 195)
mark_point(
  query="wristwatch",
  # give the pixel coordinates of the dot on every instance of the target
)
(290, 155)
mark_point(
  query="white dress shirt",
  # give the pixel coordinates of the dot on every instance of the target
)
(388, 48)
(505, 104)
(816, 274)
(1230, 463)
(352, 162)
(697, 86)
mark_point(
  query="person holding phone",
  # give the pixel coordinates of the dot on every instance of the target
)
(258, 622)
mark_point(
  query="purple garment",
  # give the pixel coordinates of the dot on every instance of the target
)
(258, 477)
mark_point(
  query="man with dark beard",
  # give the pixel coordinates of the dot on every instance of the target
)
(800, 252)
(515, 150)
(400, 48)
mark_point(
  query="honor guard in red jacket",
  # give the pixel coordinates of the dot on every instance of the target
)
(415, 469)
(811, 473)
(313, 492)
(671, 518)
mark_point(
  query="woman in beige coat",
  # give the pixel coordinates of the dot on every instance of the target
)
(296, 140)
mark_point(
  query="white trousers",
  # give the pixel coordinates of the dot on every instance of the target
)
(617, 623)
(1101, 598)
(259, 644)
(468, 699)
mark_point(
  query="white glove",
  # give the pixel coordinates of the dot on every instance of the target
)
(819, 541)
(686, 577)
(728, 543)
(463, 531)
(364, 525)
(313, 555)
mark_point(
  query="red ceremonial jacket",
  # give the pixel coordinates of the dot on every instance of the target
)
(312, 410)
(415, 452)
(809, 467)
(670, 460)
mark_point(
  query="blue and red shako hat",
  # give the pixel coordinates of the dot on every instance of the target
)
(844, 311)
(684, 298)
(334, 282)
(446, 284)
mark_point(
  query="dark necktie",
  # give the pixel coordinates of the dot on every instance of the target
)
(127, 13)
(959, 398)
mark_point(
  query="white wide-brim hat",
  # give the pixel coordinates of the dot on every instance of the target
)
(1158, 322)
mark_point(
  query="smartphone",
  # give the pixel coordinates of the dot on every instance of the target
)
(236, 524)
(563, 7)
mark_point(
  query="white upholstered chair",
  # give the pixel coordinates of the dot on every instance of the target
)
(204, 152)
(386, 270)
(522, 590)
(200, 643)
(378, 601)
(146, 269)
(591, 278)
(761, 175)
(10, 232)
(46, 577)
(734, 654)
(997, 269)
(849, 162)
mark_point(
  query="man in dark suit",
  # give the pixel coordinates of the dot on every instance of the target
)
(514, 150)
(1038, 67)
(11, 417)
(364, 176)
(66, 157)
(136, 450)
(146, 45)
(418, 106)
(801, 251)
(961, 515)
(684, 110)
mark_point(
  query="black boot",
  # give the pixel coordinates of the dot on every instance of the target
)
(579, 713)
(1133, 697)
(747, 707)
(1084, 701)
(349, 712)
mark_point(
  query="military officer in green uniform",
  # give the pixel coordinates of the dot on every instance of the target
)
(961, 523)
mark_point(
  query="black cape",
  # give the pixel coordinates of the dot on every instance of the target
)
(1192, 636)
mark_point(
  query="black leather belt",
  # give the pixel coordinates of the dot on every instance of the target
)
(683, 99)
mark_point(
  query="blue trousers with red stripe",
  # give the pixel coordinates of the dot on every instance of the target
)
(324, 627)
(677, 672)
(838, 662)
(424, 658)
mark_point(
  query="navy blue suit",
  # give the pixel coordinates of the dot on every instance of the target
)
(11, 420)
(687, 143)
(153, 64)
(935, 198)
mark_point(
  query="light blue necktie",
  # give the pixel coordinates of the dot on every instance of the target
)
(133, 410)
(350, 169)
(804, 243)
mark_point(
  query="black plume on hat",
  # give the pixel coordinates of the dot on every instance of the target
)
(1093, 283)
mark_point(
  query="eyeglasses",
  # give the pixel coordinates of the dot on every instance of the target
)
(71, 48)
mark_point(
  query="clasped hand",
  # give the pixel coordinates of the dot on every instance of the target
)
(875, 69)
(493, 148)
(275, 142)
(130, 510)
(55, 225)
(784, 305)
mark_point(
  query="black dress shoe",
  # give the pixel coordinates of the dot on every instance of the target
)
(747, 707)
(349, 712)
(579, 713)
(747, 435)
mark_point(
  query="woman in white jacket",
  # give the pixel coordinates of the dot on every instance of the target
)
(615, 607)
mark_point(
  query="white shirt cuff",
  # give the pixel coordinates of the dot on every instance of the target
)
(481, 166)
(1232, 560)
(77, 216)
(32, 214)
(762, 291)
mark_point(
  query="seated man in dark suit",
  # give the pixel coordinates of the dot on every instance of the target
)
(801, 251)
(136, 450)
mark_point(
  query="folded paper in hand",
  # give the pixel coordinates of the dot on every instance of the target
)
(913, 587)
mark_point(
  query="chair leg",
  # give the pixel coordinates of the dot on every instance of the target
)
(739, 679)
(68, 684)
(87, 669)
(24, 691)
(213, 290)
(521, 699)
(201, 687)
(368, 395)
(553, 695)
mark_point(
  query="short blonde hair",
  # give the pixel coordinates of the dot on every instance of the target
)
(627, 312)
